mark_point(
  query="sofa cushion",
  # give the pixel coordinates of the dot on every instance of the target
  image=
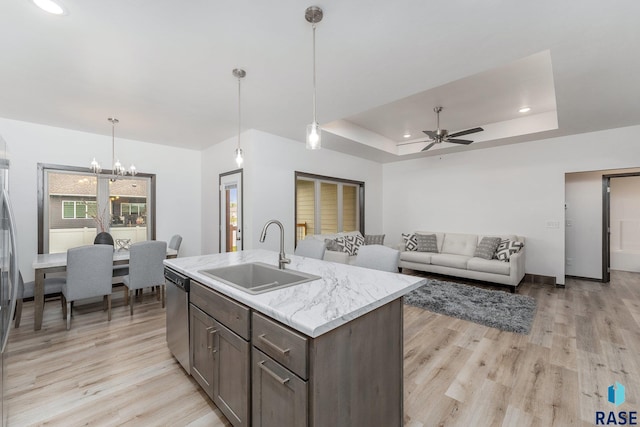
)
(419, 257)
(410, 242)
(374, 239)
(489, 266)
(460, 244)
(439, 237)
(508, 248)
(351, 243)
(427, 243)
(450, 260)
(487, 247)
(332, 245)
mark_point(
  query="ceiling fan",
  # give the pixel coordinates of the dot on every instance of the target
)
(442, 135)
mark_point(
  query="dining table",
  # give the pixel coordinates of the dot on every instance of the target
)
(44, 264)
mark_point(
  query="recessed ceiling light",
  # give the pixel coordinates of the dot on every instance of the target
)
(524, 110)
(50, 6)
(407, 135)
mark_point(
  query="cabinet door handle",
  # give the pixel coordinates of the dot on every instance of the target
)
(273, 375)
(284, 351)
(210, 332)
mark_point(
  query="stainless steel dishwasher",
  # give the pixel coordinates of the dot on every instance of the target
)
(177, 286)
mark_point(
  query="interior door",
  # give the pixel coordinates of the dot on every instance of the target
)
(231, 211)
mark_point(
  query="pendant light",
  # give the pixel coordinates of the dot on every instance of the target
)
(239, 74)
(118, 169)
(313, 14)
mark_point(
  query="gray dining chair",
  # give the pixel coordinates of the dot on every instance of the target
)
(145, 268)
(310, 248)
(378, 257)
(52, 286)
(175, 242)
(89, 271)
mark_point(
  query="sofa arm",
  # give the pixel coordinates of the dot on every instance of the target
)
(335, 256)
(517, 266)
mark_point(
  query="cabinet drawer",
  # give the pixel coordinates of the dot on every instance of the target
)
(287, 347)
(233, 315)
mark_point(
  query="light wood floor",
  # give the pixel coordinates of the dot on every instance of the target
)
(457, 373)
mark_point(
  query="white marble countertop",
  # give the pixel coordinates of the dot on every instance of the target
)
(343, 292)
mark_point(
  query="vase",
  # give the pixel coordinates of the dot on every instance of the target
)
(103, 238)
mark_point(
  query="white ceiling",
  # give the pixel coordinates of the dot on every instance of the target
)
(163, 67)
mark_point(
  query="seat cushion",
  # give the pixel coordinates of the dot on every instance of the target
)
(450, 260)
(489, 266)
(460, 244)
(419, 257)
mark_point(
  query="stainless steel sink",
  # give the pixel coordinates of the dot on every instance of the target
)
(257, 277)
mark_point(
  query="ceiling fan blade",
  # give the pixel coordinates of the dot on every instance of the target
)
(465, 132)
(431, 134)
(412, 142)
(459, 141)
(428, 146)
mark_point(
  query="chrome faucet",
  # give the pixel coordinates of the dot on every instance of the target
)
(282, 258)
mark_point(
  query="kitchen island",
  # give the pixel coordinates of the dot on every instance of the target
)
(325, 352)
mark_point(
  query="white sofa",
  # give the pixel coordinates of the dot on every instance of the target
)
(455, 257)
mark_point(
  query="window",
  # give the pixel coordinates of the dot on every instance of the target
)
(326, 205)
(74, 205)
(78, 209)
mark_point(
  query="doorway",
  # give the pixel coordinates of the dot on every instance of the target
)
(231, 211)
(620, 223)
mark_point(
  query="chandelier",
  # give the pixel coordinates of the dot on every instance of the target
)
(118, 170)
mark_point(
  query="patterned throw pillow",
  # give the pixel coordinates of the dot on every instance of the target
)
(332, 245)
(508, 248)
(374, 239)
(427, 243)
(351, 244)
(410, 242)
(487, 247)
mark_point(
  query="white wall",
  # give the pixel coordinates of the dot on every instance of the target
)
(511, 189)
(178, 179)
(269, 191)
(583, 224)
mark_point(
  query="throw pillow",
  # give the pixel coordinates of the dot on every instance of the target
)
(351, 244)
(427, 243)
(374, 239)
(508, 248)
(487, 247)
(332, 245)
(410, 242)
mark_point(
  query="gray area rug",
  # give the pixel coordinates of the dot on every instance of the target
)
(497, 309)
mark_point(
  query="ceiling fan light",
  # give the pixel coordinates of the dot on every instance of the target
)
(524, 110)
(50, 6)
(406, 135)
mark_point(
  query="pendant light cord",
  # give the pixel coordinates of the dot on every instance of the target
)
(315, 120)
(239, 112)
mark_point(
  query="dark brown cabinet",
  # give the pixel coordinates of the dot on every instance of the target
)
(261, 372)
(279, 396)
(220, 358)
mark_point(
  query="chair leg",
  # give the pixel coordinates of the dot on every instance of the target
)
(68, 315)
(109, 307)
(131, 298)
(126, 295)
(161, 289)
(18, 313)
(63, 300)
